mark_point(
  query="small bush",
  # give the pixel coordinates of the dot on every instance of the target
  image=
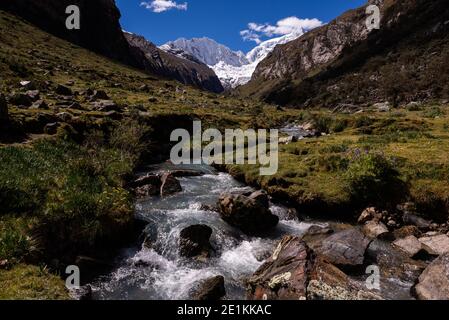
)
(373, 179)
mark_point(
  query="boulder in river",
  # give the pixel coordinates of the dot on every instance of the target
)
(194, 241)
(434, 281)
(149, 185)
(169, 185)
(212, 289)
(295, 272)
(345, 248)
(250, 214)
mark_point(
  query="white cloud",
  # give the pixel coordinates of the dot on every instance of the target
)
(159, 6)
(285, 26)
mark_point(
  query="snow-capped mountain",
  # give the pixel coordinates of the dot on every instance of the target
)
(208, 51)
(232, 68)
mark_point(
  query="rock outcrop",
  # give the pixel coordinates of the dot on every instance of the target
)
(344, 62)
(194, 241)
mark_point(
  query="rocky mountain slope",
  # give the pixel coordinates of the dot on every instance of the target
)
(181, 67)
(232, 68)
(101, 32)
(342, 62)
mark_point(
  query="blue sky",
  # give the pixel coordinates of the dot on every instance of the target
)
(223, 20)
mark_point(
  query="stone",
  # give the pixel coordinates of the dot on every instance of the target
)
(63, 90)
(212, 289)
(369, 214)
(20, 99)
(27, 85)
(382, 106)
(410, 245)
(64, 116)
(373, 229)
(149, 185)
(435, 245)
(260, 197)
(169, 185)
(194, 241)
(434, 281)
(40, 104)
(345, 248)
(407, 231)
(83, 293)
(287, 140)
(284, 276)
(34, 95)
(251, 215)
(4, 115)
(51, 128)
(412, 219)
(99, 95)
(150, 235)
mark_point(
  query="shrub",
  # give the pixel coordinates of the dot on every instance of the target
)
(373, 180)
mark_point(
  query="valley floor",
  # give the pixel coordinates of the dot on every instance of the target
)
(69, 150)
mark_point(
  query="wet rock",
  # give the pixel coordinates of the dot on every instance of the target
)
(83, 293)
(345, 248)
(434, 281)
(393, 262)
(435, 245)
(412, 219)
(3, 108)
(284, 276)
(99, 95)
(194, 241)
(407, 231)
(294, 272)
(63, 90)
(20, 99)
(206, 207)
(149, 185)
(317, 230)
(410, 245)
(40, 104)
(261, 197)
(51, 128)
(373, 229)
(169, 185)
(251, 215)
(370, 214)
(212, 289)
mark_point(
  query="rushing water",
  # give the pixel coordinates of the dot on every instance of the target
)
(160, 273)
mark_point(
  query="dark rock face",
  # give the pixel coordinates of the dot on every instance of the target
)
(250, 214)
(434, 281)
(149, 185)
(100, 28)
(184, 70)
(346, 248)
(170, 185)
(212, 289)
(194, 241)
